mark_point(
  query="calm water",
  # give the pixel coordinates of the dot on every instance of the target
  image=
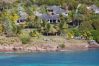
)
(82, 58)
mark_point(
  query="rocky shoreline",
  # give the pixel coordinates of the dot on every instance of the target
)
(53, 44)
(45, 48)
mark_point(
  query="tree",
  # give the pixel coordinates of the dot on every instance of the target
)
(96, 24)
(24, 37)
(8, 27)
(95, 35)
(70, 34)
(43, 27)
(1, 28)
(34, 33)
(72, 4)
(48, 28)
(63, 26)
(85, 26)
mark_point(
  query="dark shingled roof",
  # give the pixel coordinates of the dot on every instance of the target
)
(50, 17)
(56, 9)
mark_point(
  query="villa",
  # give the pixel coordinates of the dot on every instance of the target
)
(53, 14)
(51, 18)
(23, 15)
(21, 20)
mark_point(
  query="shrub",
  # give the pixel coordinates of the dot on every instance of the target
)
(76, 32)
(95, 35)
(18, 29)
(34, 33)
(62, 46)
(86, 34)
(1, 28)
(24, 37)
(70, 35)
(97, 39)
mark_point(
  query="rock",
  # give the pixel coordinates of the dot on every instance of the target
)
(93, 44)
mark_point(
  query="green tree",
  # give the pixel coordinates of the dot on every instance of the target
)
(8, 28)
(95, 34)
(63, 26)
(96, 24)
(24, 37)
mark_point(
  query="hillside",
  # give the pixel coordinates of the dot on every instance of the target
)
(69, 19)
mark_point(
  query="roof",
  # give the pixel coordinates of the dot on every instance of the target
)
(94, 7)
(50, 17)
(56, 9)
(23, 14)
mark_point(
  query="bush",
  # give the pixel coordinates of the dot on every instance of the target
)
(70, 35)
(24, 37)
(95, 35)
(87, 34)
(76, 32)
(18, 29)
(97, 39)
(62, 46)
(34, 33)
(1, 28)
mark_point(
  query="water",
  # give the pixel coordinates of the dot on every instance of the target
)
(81, 58)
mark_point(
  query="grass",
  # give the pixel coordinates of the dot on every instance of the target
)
(53, 40)
(8, 41)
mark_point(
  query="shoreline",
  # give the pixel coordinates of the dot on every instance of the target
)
(56, 43)
(20, 52)
(21, 49)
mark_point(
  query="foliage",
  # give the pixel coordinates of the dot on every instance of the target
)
(96, 24)
(13, 17)
(9, 27)
(86, 25)
(70, 34)
(34, 33)
(87, 21)
(24, 37)
(95, 34)
(86, 34)
(18, 29)
(62, 46)
(63, 26)
(1, 28)
(76, 32)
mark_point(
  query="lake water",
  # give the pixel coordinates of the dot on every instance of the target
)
(80, 58)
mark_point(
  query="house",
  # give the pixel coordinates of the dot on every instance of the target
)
(21, 20)
(50, 18)
(53, 13)
(94, 8)
(23, 15)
